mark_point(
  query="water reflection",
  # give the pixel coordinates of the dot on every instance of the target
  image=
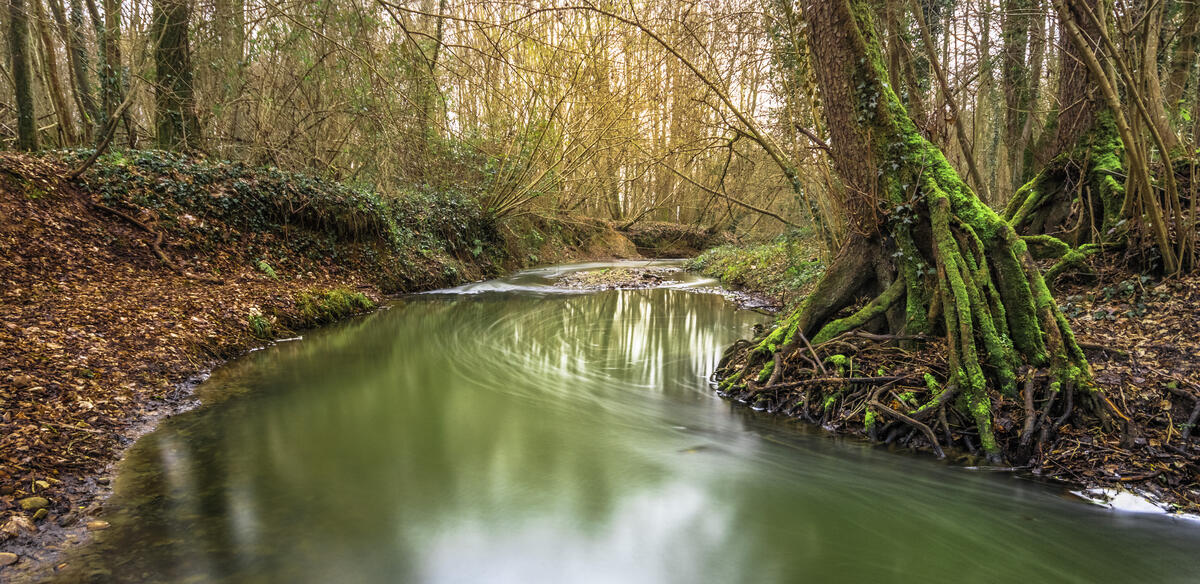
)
(518, 436)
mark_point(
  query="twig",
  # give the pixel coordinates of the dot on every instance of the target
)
(1099, 347)
(1132, 478)
(816, 358)
(1191, 423)
(815, 139)
(819, 380)
(876, 337)
(69, 427)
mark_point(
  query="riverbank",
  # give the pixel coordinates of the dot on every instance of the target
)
(781, 270)
(1138, 335)
(123, 288)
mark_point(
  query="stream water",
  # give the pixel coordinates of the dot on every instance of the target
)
(511, 432)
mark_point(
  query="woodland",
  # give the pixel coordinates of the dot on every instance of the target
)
(957, 168)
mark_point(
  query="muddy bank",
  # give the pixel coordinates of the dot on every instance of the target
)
(618, 278)
(659, 239)
(122, 289)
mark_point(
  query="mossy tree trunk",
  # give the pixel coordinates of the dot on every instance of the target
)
(1183, 60)
(1077, 200)
(935, 258)
(1086, 197)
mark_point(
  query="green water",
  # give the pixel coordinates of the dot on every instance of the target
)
(508, 433)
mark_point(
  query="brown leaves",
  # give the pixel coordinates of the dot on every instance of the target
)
(94, 328)
(1147, 359)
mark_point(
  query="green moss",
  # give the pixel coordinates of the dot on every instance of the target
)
(1046, 246)
(1028, 192)
(873, 308)
(932, 385)
(325, 306)
(842, 363)
(765, 374)
(829, 401)
(729, 382)
(780, 336)
(870, 418)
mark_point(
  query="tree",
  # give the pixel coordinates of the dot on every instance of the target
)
(72, 34)
(1099, 130)
(18, 49)
(112, 72)
(175, 108)
(1021, 32)
(1077, 195)
(934, 258)
(49, 58)
(1183, 57)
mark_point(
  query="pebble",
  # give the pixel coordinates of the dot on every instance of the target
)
(97, 525)
(34, 503)
(7, 559)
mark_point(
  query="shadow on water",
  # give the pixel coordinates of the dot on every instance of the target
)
(516, 435)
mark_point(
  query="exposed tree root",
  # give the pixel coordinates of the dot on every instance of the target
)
(955, 270)
(927, 266)
(156, 246)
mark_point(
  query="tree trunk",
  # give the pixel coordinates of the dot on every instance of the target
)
(175, 109)
(1016, 31)
(1152, 90)
(18, 48)
(1183, 58)
(112, 74)
(1077, 196)
(937, 259)
(229, 25)
(72, 33)
(66, 123)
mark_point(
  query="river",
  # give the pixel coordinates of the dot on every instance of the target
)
(510, 432)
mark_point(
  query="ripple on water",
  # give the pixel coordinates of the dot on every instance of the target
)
(508, 433)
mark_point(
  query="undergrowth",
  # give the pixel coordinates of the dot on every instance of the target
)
(214, 204)
(781, 268)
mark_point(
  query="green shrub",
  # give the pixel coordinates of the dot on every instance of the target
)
(260, 325)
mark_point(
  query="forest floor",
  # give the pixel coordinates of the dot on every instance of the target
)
(100, 336)
(1139, 334)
